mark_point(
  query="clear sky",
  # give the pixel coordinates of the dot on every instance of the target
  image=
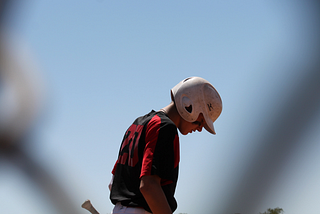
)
(104, 63)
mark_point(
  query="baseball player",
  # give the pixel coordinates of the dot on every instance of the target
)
(146, 172)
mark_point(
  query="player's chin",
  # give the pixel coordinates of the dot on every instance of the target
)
(185, 132)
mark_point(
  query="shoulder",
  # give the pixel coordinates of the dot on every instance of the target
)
(160, 124)
(162, 120)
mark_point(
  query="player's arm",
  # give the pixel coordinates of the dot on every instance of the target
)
(151, 190)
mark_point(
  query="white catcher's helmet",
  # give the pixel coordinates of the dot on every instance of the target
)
(196, 95)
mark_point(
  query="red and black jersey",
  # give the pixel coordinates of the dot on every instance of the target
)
(150, 146)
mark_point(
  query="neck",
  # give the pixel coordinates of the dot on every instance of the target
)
(172, 113)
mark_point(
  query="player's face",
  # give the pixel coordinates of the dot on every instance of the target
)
(189, 127)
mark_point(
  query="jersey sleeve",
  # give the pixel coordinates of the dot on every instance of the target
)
(114, 168)
(161, 154)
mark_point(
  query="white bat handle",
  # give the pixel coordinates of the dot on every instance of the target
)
(88, 206)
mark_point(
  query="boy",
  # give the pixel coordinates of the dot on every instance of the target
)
(146, 172)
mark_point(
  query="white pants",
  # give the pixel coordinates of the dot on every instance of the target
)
(119, 209)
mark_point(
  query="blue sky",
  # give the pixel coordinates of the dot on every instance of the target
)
(103, 63)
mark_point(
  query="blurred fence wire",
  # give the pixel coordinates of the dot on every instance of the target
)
(19, 100)
(279, 143)
(20, 103)
(281, 140)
